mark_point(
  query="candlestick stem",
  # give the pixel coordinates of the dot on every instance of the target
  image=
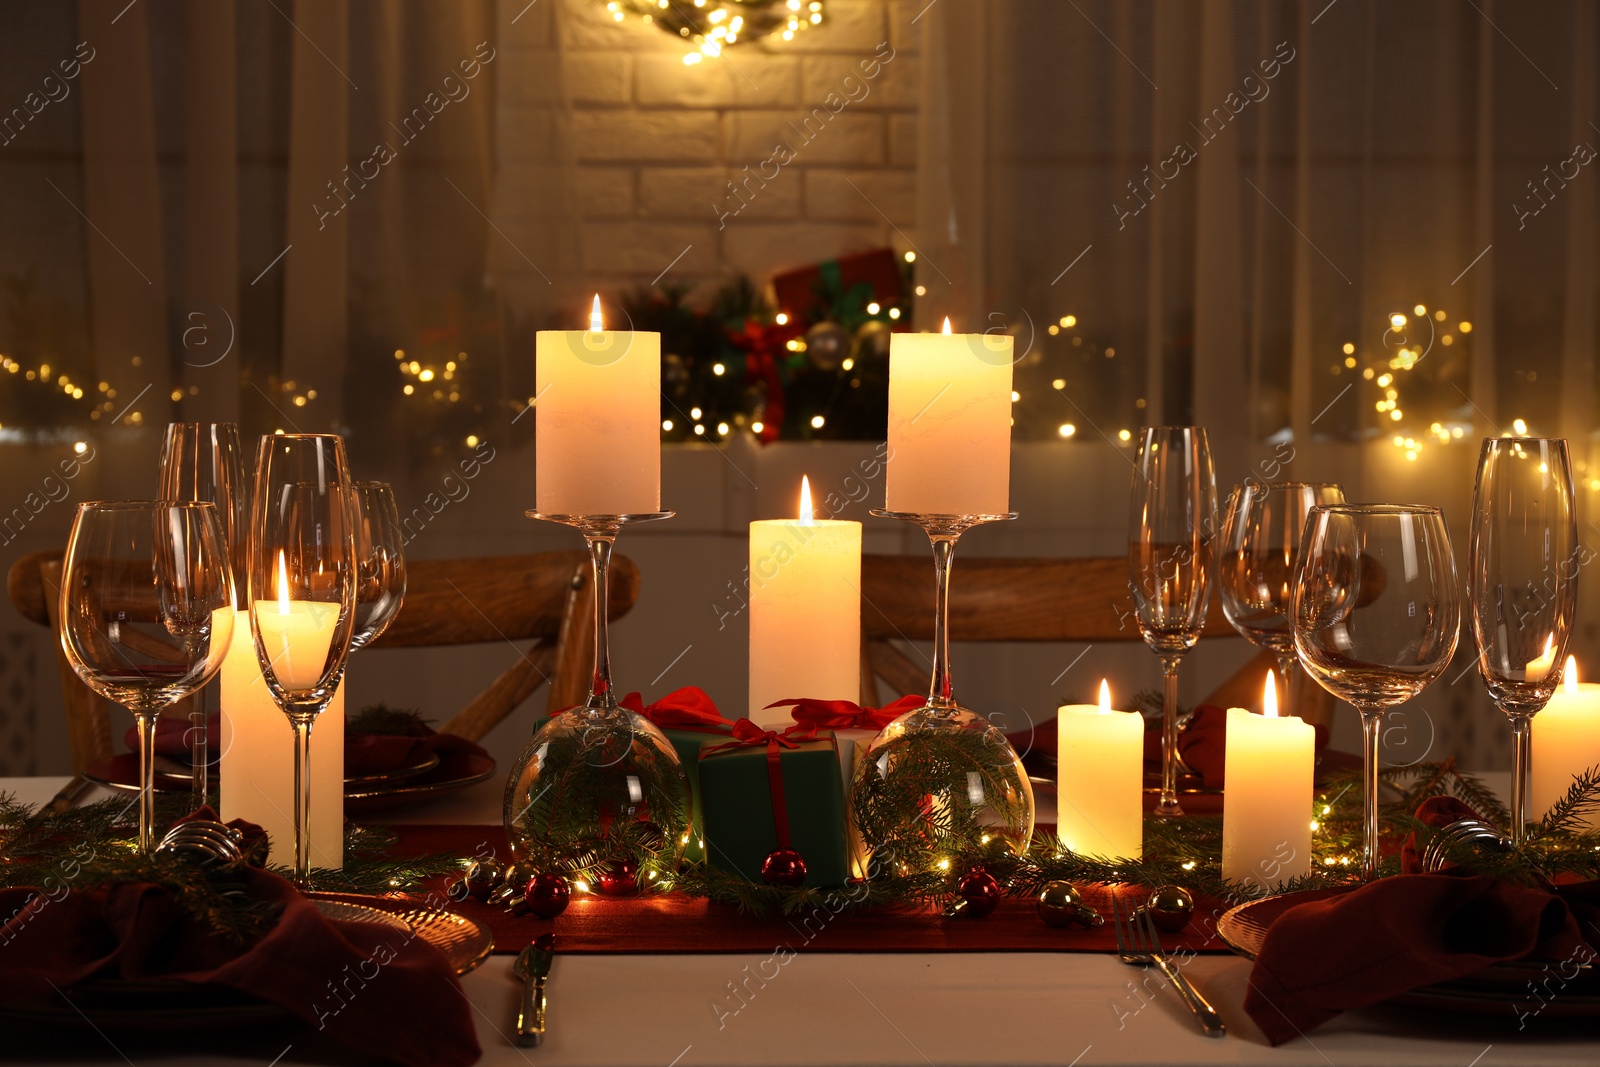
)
(1168, 804)
(600, 695)
(302, 799)
(939, 692)
(1371, 732)
(1521, 774)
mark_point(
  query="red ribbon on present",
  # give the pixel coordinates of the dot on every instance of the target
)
(747, 734)
(688, 708)
(845, 714)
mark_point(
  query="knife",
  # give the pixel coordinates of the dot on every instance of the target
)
(533, 967)
(67, 796)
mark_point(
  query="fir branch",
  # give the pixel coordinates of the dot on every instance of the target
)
(1580, 799)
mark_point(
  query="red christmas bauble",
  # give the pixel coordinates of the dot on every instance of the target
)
(547, 895)
(620, 879)
(981, 892)
(783, 866)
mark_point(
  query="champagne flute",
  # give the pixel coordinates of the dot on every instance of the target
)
(302, 592)
(202, 461)
(146, 612)
(1172, 514)
(380, 562)
(1259, 558)
(1522, 578)
(1377, 614)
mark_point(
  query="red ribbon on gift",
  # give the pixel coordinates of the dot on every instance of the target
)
(747, 734)
(688, 708)
(845, 714)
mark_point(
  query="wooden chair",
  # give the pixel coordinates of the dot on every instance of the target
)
(543, 597)
(1014, 599)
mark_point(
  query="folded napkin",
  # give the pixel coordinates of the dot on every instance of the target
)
(1350, 949)
(365, 754)
(371, 987)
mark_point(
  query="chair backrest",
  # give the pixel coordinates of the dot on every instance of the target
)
(543, 597)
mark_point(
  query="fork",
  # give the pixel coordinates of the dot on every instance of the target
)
(1138, 944)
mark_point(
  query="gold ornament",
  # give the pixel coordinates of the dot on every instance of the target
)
(1170, 907)
(1061, 905)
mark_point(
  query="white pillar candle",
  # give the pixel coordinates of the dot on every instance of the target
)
(1566, 742)
(1267, 794)
(598, 430)
(949, 423)
(257, 763)
(1100, 779)
(805, 611)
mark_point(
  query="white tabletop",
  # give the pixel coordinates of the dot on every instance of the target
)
(944, 1009)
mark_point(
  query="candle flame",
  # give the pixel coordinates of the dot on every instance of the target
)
(807, 515)
(1569, 677)
(1269, 696)
(1105, 697)
(283, 584)
(946, 330)
(595, 325)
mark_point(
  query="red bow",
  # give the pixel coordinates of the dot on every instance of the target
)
(688, 708)
(747, 734)
(845, 715)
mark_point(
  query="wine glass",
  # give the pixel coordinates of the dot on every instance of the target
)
(146, 612)
(1258, 559)
(1377, 614)
(302, 591)
(1522, 578)
(380, 562)
(1171, 519)
(202, 461)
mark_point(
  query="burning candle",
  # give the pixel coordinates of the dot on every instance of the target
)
(949, 423)
(1100, 779)
(1566, 742)
(598, 429)
(1266, 807)
(805, 611)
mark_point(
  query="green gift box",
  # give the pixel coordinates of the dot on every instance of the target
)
(741, 828)
(689, 719)
(687, 744)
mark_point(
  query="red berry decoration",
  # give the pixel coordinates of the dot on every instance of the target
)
(547, 895)
(980, 892)
(620, 879)
(784, 866)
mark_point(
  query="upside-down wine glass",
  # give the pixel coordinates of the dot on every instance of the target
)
(1258, 560)
(146, 612)
(380, 562)
(202, 461)
(1522, 579)
(1377, 614)
(1171, 520)
(302, 594)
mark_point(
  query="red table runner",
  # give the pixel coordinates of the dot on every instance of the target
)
(670, 922)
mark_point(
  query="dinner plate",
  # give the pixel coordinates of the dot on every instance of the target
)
(156, 1006)
(121, 772)
(1502, 990)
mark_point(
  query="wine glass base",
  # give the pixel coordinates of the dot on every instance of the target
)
(941, 524)
(600, 525)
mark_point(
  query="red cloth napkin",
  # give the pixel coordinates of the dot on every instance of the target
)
(370, 987)
(846, 714)
(1343, 950)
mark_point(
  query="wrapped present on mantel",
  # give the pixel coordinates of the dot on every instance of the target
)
(689, 719)
(774, 806)
(824, 290)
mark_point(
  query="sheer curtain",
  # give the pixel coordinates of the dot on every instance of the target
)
(1232, 199)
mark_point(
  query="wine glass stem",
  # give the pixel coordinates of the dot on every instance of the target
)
(146, 722)
(1288, 667)
(1521, 775)
(1371, 734)
(939, 692)
(302, 800)
(199, 710)
(600, 695)
(1168, 804)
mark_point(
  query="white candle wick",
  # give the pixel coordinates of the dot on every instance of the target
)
(1569, 677)
(1269, 696)
(946, 330)
(807, 516)
(283, 584)
(1105, 697)
(595, 325)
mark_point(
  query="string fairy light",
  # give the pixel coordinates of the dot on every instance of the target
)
(712, 25)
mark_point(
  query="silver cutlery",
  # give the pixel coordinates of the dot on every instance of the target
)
(1138, 944)
(66, 797)
(533, 967)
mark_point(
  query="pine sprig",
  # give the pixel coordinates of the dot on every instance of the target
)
(1581, 799)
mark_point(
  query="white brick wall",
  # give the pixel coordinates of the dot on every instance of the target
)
(656, 144)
